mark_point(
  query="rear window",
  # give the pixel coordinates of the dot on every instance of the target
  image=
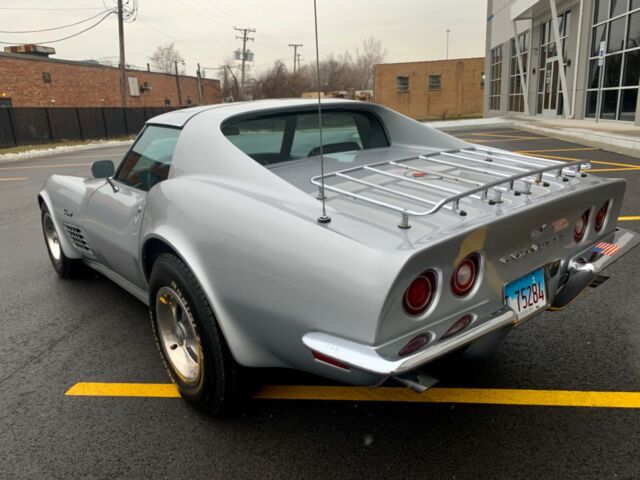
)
(278, 138)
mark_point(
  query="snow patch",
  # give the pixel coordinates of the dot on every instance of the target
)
(44, 152)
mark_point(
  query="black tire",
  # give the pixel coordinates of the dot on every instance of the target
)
(64, 266)
(219, 386)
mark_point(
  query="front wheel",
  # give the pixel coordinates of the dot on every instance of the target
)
(64, 266)
(192, 346)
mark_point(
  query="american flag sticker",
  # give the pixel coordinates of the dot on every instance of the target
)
(608, 249)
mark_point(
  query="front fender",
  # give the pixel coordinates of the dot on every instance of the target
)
(67, 248)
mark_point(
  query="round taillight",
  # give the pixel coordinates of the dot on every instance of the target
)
(414, 344)
(465, 274)
(581, 226)
(462, 323)
(598, 223)
(420, 293)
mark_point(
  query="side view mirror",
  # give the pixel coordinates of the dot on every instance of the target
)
(102, 169)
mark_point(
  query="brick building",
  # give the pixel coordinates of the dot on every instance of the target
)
(37, 81)
(432, 90)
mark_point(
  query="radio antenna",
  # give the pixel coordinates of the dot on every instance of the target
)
(324, 218)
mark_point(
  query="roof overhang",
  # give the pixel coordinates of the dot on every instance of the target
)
(526, 9)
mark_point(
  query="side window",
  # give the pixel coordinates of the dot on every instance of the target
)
(260, 138)
(339, 134)
(148, 162)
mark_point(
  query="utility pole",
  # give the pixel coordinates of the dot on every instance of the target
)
(199, 85)
(448, 43)
(244, 39)
(299, 60)
(295, 54)
(178, 84)
(123, 93)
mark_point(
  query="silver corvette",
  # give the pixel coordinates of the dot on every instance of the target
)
(429, 245)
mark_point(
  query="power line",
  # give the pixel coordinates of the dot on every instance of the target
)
(69, 36)
(49, 9)
(162, 32)
(55, 28)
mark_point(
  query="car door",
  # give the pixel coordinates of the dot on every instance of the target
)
(113, 213)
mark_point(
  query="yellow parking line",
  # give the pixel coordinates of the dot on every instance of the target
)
(501, 139)
(572, 159)
(621, 169)
(500, 135)
(581, 149)
(163, 390)
(46, 166)
(629, 218)
(491, 396)
(12, 179)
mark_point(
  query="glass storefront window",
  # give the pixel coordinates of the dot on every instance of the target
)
(601, 11)
(592, 103)
(609, 104)
(612, 68)
(628, 104)
(598, 36)
(633, 37)
(616, 35)
(594, 74)
(614, 22)
(618, 7)
(631, 69)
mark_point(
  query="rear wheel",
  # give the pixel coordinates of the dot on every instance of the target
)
(194, 351)
(64, 266)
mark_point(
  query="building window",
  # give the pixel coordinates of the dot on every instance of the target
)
(495, 82)
(402, 84)
(46, 77)
(516, 97)
(435, 82)
(482, 78)
(612, 89)
(549, 95)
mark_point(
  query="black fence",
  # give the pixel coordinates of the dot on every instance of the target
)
(30, 126)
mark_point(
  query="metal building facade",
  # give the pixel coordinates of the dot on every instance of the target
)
(572, 59)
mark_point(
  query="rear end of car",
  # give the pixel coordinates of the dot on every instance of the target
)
(530, 241)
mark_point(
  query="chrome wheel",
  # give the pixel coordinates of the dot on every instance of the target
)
(178, 336)
(53, 242)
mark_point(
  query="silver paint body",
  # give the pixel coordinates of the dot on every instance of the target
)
(281, 283)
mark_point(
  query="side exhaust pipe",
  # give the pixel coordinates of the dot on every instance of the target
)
(419, 382)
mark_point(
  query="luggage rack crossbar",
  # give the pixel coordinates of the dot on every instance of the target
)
(491, 192)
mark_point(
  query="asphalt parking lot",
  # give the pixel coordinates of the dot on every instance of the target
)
(517, 414)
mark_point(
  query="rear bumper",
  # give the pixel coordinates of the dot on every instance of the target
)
(369, 359)
(582, 270)
(584, 267)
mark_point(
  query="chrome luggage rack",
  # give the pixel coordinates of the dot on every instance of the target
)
(542, 175)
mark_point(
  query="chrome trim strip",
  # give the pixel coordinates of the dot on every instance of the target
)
(367, 358)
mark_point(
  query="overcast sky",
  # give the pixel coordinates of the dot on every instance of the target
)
(202, 29)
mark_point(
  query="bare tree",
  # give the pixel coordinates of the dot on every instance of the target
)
(230, 86)
(372, 54)
(164, 58)
(278, 82)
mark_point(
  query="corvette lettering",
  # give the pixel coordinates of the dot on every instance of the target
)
(534, 247)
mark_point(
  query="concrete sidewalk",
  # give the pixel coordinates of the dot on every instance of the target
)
(617, 137)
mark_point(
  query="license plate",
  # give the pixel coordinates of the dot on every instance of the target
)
(527, 294)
